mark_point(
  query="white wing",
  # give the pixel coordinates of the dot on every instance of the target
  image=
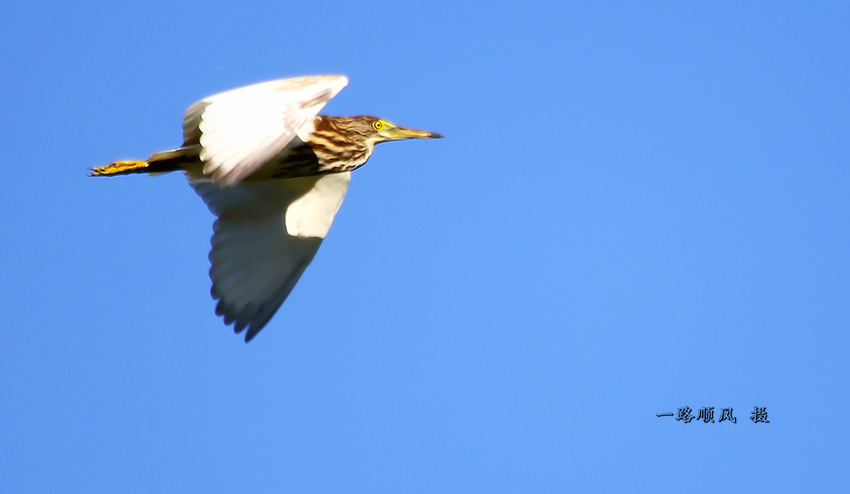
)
(265, 236)
(241, 130)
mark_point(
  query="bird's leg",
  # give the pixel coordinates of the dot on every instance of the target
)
(119, 168)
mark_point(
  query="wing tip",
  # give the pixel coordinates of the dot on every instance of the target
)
(253, 328)
(250, 318)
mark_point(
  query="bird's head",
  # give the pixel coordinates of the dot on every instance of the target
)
(382, 130)
(352, 139)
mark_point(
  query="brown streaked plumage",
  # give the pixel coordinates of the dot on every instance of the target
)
(274, 173)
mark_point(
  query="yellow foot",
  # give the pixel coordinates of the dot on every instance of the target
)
(119, 167)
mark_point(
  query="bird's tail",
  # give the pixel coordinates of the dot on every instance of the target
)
(161, 162)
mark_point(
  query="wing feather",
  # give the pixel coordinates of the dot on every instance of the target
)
(241, 130)
(265, 235)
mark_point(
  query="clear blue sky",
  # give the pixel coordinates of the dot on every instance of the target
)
(637, 207)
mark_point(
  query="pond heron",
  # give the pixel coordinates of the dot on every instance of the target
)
(274, 173)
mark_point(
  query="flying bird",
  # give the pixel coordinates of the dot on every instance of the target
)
(274, 173)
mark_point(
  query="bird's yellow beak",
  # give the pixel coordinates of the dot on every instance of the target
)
(398, 133)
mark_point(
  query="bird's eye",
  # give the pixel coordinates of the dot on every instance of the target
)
(378, 125)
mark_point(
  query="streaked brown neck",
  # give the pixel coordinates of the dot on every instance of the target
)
(340, 143)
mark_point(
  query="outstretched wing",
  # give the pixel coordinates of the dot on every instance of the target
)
(265, 235)
(239, 131)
